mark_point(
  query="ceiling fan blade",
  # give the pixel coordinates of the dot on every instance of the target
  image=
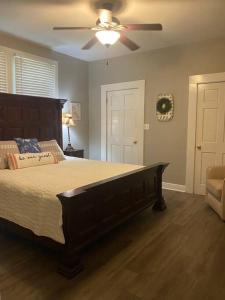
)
(143, 27)
(90, 44)
(128, 43)
(71, 28)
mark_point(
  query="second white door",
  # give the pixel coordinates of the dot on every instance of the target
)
(125, 125)
(210, 134)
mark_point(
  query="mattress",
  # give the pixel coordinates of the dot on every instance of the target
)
(28, 196)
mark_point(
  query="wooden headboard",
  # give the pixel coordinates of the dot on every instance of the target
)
(30, 117)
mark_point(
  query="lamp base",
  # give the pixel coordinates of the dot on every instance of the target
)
(69, 147)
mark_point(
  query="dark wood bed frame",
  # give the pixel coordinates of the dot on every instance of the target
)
(88, 212)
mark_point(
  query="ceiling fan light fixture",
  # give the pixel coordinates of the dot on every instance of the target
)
(107, 37)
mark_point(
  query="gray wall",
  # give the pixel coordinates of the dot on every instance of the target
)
(73, 83)
(165, 71)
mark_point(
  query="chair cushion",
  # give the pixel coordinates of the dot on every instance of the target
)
(215, 187)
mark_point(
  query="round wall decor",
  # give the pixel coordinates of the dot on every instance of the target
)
(165, 107)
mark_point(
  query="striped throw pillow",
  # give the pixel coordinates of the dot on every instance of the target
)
(26, 160)
(5, 148)
(52, 146)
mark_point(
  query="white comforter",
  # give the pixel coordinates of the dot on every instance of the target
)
(28, 196)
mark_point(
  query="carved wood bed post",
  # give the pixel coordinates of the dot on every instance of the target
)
(160, 203)
(62, 102)
(70, 263)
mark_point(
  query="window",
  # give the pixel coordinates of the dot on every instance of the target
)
(4, 82)
(35, 77)
(25, 74)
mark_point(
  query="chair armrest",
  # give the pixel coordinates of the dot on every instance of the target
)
(217, 172)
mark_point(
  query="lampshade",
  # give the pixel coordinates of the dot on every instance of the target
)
(107, 37)
(68, 120)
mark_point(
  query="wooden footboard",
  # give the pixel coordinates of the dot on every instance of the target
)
(95, 209)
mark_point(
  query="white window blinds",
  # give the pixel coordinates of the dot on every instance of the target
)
(4, 84)
(35, 77)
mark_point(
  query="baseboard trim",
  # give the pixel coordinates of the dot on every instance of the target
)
(174, 187)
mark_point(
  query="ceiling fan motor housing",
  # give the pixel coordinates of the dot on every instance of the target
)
(114, 22)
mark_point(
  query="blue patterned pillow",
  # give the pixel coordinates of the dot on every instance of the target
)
(28, 145)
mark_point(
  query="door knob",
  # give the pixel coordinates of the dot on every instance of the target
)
(199, 147)
(135, 142)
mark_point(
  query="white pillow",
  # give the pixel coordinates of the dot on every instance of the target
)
(5, 148)
(26, 160)
(52, 146)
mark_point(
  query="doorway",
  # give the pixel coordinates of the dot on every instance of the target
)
(122, 122)
(206, 128)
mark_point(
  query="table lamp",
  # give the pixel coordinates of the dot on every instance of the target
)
(68, 121)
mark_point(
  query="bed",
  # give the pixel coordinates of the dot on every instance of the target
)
(82, 208)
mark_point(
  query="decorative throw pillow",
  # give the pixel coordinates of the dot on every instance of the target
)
(26, 160)
(52, 146)
(28, 145)
(7, 147)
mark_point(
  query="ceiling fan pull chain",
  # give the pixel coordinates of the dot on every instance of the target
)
(107, 55)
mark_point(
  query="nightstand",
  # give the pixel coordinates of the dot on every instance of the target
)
(75, 153)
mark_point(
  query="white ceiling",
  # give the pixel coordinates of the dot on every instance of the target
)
(183, 21)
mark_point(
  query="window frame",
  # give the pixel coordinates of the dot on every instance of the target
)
(12, 53)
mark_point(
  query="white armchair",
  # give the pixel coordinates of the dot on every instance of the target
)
(215, 189)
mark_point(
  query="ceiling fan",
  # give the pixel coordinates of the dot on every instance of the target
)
(109, 30)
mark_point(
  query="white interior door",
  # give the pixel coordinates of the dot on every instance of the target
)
(125, 125)
(210, 134)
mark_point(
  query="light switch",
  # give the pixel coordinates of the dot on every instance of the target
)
(146, 126)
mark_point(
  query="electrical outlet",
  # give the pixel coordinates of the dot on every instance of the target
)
(146, 126)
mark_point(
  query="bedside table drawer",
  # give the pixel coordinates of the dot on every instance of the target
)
(75, 153)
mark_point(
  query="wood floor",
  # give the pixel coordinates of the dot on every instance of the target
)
(178, 254)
